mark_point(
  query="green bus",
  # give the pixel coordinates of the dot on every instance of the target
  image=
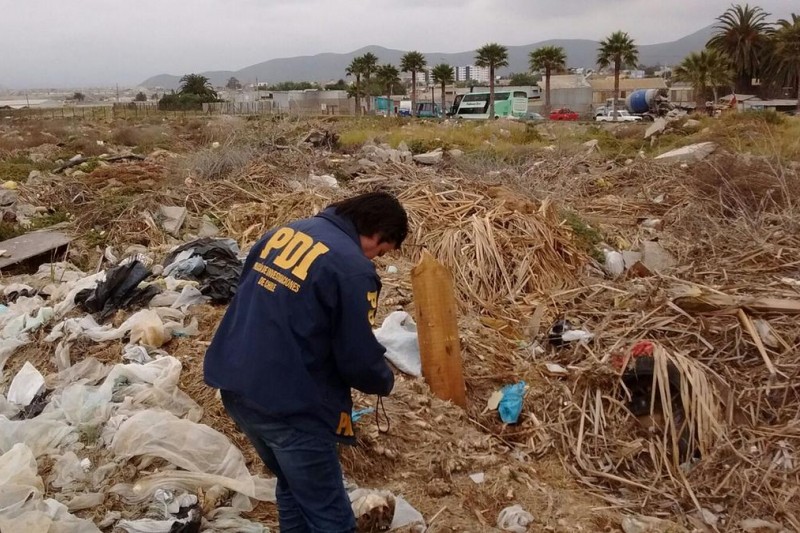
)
(475, 106)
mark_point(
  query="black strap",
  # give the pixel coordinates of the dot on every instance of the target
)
(378, 408)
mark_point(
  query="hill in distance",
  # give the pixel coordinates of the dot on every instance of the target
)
(328, 66)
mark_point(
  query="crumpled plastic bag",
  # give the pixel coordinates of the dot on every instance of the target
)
(510, 406)
(228, 519)
(514, 519)
(398, 334)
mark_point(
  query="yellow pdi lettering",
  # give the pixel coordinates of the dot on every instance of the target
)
(345, 425)
(278, 240)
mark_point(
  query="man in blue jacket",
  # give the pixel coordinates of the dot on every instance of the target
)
(294, 341)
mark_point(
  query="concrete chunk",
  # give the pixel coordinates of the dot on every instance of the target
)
(688, 154)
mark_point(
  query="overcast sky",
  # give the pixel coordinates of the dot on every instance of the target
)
(72, 43)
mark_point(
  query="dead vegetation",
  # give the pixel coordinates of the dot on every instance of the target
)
(719, 442)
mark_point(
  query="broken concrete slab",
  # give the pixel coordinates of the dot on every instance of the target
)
(656, 258)
(172, 218)
(658, 126)
(31, 245)
(429, 158)
(688, 154)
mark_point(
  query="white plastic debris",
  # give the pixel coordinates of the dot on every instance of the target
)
(391, 269)
(478, 477)
(614, 263)
(576, 335)
(514, 519)
(555, 368)
(398, 334)
(26, 385)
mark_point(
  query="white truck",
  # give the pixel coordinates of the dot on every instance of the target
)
(621, 116)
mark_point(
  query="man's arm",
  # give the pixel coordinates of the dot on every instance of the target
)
(358, 354)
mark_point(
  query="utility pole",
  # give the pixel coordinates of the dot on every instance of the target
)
(118, 93)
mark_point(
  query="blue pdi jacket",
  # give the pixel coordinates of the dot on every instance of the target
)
(298, 334)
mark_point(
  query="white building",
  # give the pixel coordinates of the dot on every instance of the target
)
(471, 72)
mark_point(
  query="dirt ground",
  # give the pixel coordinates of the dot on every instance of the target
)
(527, 218)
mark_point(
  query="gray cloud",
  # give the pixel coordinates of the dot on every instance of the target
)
(102, 42)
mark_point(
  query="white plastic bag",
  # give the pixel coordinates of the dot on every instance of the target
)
(68, 472)
(398, 334)
(514, 519)
(26, 385)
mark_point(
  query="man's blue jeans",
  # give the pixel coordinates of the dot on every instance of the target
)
(310, 490)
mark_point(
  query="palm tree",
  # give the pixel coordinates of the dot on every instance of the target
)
(704, 69)
(786, 53)
(742, 34)
(491, 56)
(370, 65)
(617, 49)
(443, 75)
(197, 84)
(548, 58)
(357, 68)
(413, 62)
(388, 76)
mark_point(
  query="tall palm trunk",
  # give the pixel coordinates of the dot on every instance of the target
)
(413, 93)
(798, 90)
(547, 90)
(367, 95)
(358, 95)
(491, 92)
(617, 67)
(443, 91)
(700, 99)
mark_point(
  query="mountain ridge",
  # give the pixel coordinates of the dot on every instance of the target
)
(331, 66)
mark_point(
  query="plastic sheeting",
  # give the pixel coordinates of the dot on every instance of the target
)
(148, 385)
(193, 447)
(21, 505)
(398, 334)
(42, 434)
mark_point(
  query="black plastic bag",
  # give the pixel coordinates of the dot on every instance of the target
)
(120, 290)
(220, 277)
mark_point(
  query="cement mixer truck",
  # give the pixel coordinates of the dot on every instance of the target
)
(645, 103)
(648, 103)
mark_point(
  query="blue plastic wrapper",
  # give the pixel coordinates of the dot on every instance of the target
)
(358, 413)
(510, 406)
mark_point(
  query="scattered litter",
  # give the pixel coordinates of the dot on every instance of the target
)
(478, 478)
(514, 519)
(510, 406)
(556, 369)
(614, 263)
(357, 414)
(391, 269)
(562, 332)
(494, 400)
(688, 154)
(325, 180)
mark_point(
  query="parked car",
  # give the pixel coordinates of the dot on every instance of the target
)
(621, 114)
(563, 114)
(531, 115)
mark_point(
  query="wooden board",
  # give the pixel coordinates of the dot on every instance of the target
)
(30, 245)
